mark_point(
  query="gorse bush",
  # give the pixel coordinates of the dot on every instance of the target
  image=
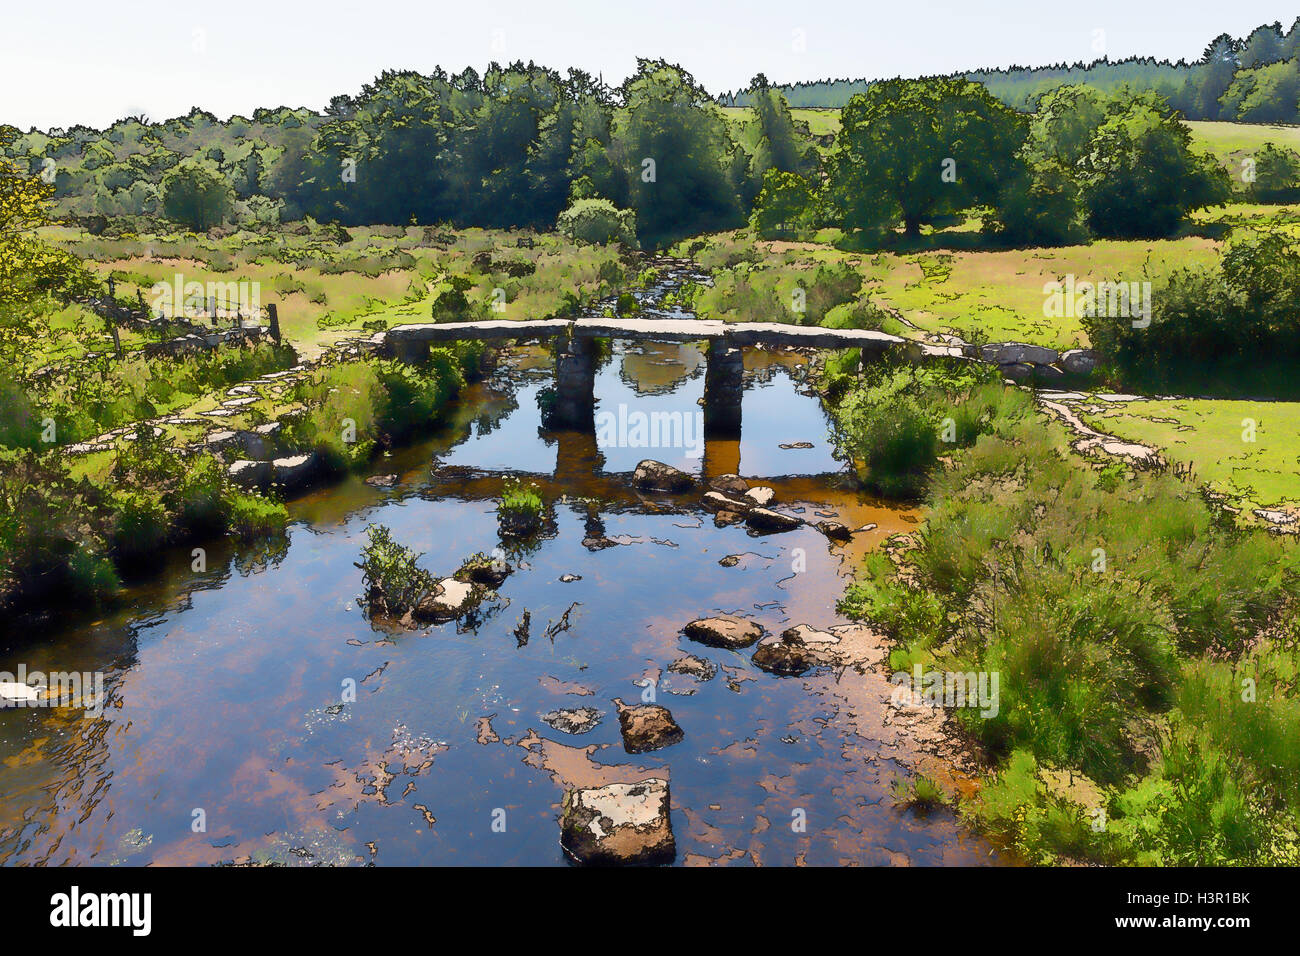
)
(900, 419)
(60, 534)
(97, 395)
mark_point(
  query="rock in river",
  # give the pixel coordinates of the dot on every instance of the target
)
(796, 650)
(450, 599)
(717, 501)
(647, 727)
(656, 476)
(834, 530)
(729, 484)
(766, 520)
(725, 630)
(619, 824)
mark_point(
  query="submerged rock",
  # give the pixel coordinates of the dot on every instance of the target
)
(578, 720)
(381, 481)
(834, 530)
(725, 630)
(647, 727)
(768, 521)
(656, 476)
(797, 650)
(692, 666)
(619, 824)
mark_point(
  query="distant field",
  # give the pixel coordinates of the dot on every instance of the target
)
(980, 295)
(1230, 143)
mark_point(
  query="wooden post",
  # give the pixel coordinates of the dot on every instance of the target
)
(274, 316)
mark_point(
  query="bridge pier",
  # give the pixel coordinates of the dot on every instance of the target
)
(724, 386)
(575, 384)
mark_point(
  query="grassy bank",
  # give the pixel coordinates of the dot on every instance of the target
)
(1148, 699)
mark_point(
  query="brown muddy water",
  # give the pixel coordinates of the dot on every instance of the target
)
(227, 736)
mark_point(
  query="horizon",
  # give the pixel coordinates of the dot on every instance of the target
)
(221, 73)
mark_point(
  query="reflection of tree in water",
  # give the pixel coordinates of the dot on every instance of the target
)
(263, 554)
(659, 368)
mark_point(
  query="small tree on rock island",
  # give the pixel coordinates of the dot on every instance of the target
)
(915, 150)
(197, 194)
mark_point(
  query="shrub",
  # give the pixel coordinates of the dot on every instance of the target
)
(520, 508)
(394, 581)
(597, 222)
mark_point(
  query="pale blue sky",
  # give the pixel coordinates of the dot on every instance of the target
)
(92, 61)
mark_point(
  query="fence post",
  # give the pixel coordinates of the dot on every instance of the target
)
(274, 316)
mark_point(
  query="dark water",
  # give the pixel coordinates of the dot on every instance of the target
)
(224, 689)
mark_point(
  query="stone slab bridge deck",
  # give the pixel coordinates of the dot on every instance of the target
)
(575, 366)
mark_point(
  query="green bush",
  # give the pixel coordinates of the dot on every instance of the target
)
(521, 508)
(394, 582)
(598, 222)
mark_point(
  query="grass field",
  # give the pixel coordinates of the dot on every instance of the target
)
(1230, 143)
(324, 290)
(1257, 466)
(979, 295)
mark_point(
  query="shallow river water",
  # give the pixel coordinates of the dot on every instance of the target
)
(227, 736)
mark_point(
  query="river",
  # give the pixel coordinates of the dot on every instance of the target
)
(230, 732)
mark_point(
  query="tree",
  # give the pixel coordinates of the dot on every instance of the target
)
(784, 203)
(1266, 94)
(919, 149)
(671, 145)
(1218, 64)
(1141, 178)
(1262, 47)
(197, 194)
(771, 139)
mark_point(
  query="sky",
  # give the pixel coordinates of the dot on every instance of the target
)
(92, 62)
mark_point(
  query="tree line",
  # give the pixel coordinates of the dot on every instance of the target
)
(1251, 79)
(519, 145)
